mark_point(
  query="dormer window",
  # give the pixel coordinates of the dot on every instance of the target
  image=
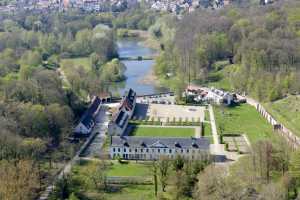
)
(195, 145)
(143, 144)
(177, 145)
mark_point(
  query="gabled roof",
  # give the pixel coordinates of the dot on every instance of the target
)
(88, 115)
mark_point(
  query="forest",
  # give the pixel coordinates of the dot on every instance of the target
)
(260, 45)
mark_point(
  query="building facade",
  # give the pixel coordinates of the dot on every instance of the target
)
(152, 148)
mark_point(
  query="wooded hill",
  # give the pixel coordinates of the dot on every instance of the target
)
(261, 43)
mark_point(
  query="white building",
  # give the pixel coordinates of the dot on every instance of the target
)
(124, 113)
(152, 148)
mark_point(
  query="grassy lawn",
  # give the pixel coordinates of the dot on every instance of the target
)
(132, 192)
(243, 119)
(116, 192)
(76, 62)
(206, 115)
(163, 132)
(129, 169)
(287, 112)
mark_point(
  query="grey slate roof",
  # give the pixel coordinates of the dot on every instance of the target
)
(160, 142)
(87, 118)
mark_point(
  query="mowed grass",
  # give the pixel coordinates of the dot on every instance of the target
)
(132, 192)
(129, 169)
(163, 132)
(117, 192)
(287, 112)
(243, 119)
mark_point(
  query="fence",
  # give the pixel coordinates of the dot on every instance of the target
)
(291, 138)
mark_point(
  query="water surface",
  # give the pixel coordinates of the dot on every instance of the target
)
(136, 70)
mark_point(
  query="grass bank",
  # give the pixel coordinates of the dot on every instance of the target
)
(243, 119)
(287, 112)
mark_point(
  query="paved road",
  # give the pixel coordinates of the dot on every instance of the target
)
(94, 148)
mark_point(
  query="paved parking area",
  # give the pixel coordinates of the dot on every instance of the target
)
(164, 111)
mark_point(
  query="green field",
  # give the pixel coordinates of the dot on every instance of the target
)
(129, 169)
(163, 132)
(243, 119)
(132, 192)
(76, 62)
(123, 191)
(287, 112)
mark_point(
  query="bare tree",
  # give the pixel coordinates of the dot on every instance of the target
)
(164, 166)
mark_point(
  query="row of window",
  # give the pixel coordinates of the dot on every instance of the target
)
(125, 150)
(148, 156)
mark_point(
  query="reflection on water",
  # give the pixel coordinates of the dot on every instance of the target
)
(136, 70)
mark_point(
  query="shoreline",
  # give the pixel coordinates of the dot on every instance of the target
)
(149, 79)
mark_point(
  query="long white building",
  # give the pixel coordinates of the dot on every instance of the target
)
(152, 148)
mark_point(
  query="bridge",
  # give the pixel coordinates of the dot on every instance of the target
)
(160, 94)
(138, 58)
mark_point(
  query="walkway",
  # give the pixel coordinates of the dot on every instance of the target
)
(216, 148)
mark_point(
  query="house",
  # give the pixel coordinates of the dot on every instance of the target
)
(152, 148)
(124, 113)
(87, 121)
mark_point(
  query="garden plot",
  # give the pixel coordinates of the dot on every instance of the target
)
(236, 143)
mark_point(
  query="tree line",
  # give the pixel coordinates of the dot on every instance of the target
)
(261, 44)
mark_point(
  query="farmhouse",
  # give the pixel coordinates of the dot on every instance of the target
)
(151, 148)
(125, 111)
(87, 120)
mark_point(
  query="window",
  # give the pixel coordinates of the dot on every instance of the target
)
(114, 149)
(158, 150)
(135, 150)
(119, 150)
(147, 150)
(170, 150)
(152, 150)
(129, 150)
(187, 151)
(142, 150)
(124, 149)
(165, 150)
(181, 150)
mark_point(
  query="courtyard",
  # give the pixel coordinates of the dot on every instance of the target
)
(165, 113)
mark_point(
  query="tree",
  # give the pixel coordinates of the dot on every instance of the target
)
(154, 172)
(96, 172)
(163, 166)
(18, 180)
(178, 163)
